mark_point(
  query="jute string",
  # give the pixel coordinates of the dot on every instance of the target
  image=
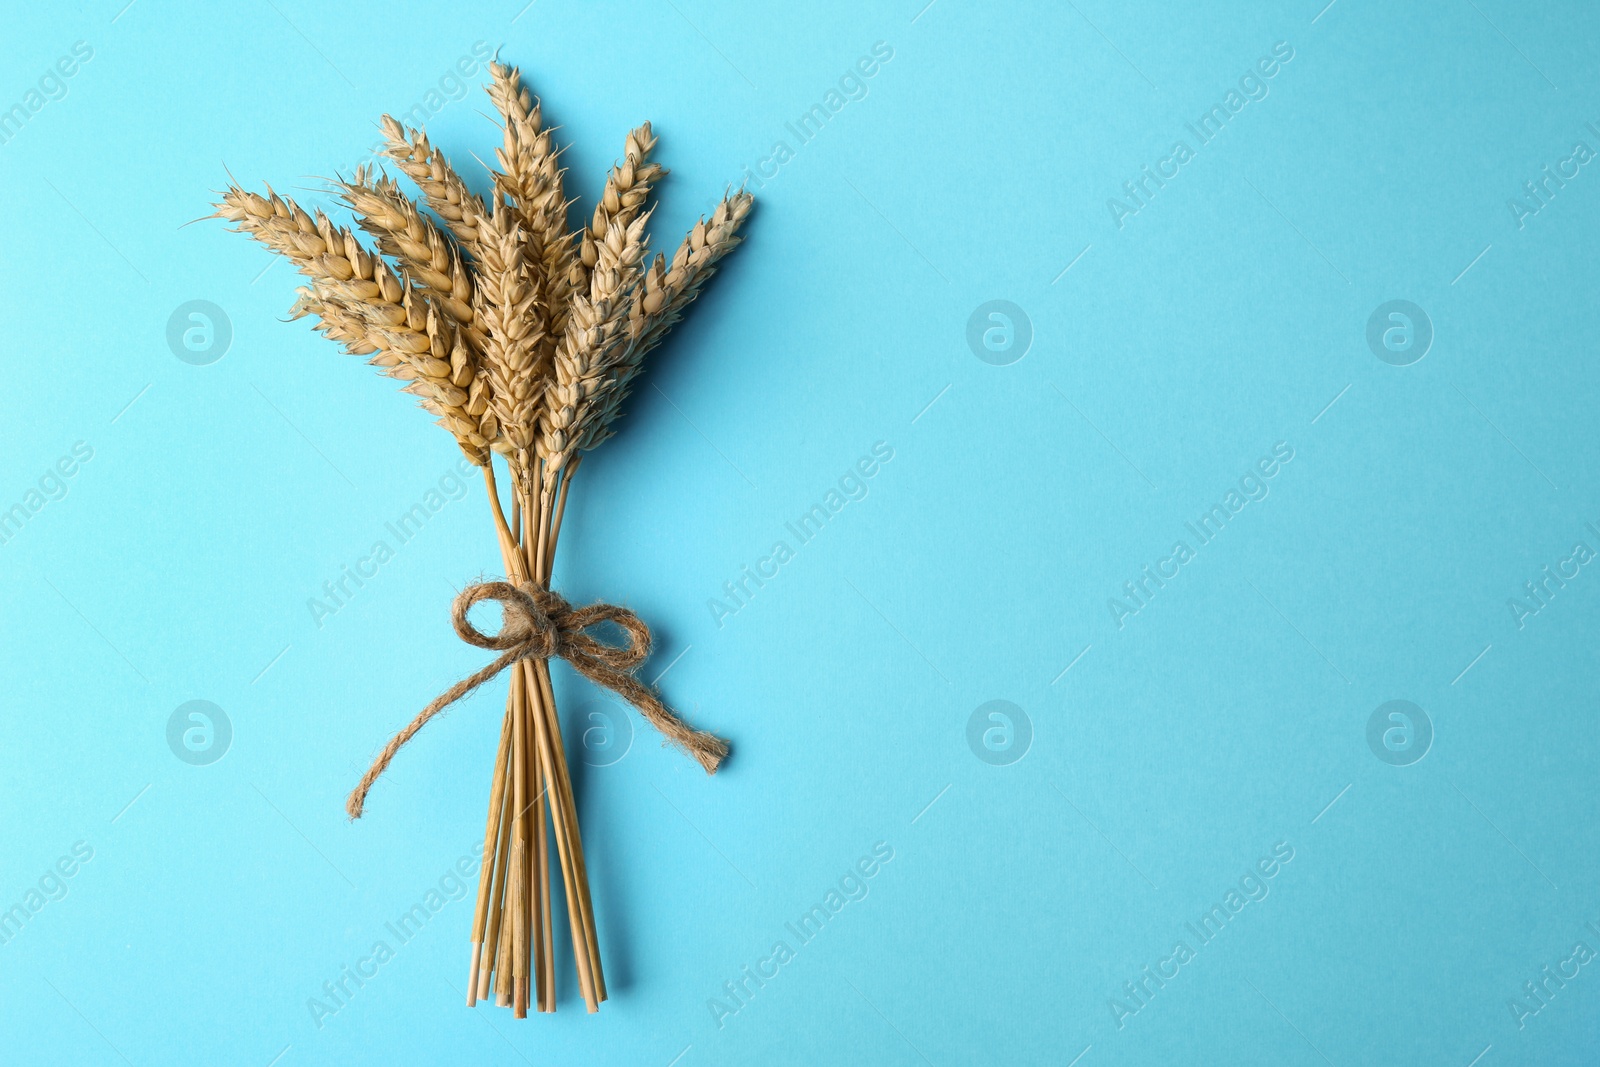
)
(539, 624)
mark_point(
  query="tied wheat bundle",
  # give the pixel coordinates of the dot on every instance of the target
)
(523, 339)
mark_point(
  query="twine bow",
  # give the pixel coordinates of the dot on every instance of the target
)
(540, 624)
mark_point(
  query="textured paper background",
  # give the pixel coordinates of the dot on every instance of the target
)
(1165, 753)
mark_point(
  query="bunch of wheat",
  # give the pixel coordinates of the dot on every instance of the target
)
(523, 339)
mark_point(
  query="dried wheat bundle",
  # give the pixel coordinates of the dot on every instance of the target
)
(522, 338)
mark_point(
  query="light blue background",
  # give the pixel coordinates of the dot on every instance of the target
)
(1227, 716)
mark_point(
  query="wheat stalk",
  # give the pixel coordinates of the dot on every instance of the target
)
(522, 338)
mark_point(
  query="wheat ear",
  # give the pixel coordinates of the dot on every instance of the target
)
(626, 191)
(530, 178)
(513, 322)
(361, 303)
(427, 257)
(660, 303)
(461, 209)
(596, 334)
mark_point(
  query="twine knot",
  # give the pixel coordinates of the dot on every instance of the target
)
(537, 623)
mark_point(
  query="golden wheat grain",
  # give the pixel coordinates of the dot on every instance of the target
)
(431, 261)
(675, 287)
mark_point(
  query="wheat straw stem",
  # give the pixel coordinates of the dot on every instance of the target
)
(544, 957)
(504, 983)
(583, 914)
(561, 801)
(584, 902)
(548, 555)
(561, 509)
(518, 886)
(491, 941)
(564, 811)
(538, 550)
(536, 915)
(544, 961)
(515, 703)
(518, 862)
(552, 753)
(553, 762)
(529, 916)
(491, 835)
(509, 550)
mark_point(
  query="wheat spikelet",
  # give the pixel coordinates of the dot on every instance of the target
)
(346, 277)
(461, 209)
(280, 224)
(430, 261)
